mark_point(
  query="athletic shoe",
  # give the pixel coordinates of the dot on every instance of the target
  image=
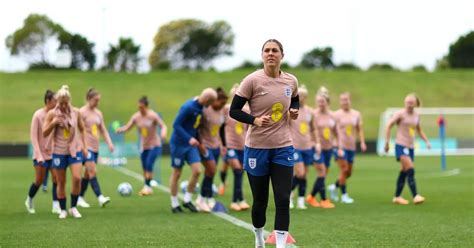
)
(346, 199)
(418, 199)
(244, 205)
(103, 200)
(63, 214)
(326, 204)
(81, 202)
(145, 191)
(29, 205)
(399, 200)
(201, 205)
(75, 213)
(211, 202)
(235, 206)
(221, 190)
(300, 204)
(45, 188)
(333, 192)
(311, 200)
(292, 205)
(190, 206)
(56, 208)
(177, 210)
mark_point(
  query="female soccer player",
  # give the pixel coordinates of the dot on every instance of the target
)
(94, 123)
(147, 122)
(408, 122)
(235, 133)
(184, 145)
(273, 98)
(64, 122)
(303, 140)
(349, 125)
(42, 153)
(211, 147)
(325, 123)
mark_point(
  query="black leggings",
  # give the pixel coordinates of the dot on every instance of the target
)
(281, 177)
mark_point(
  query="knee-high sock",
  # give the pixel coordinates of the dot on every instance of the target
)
(84, 185)
(400, 183)
(411, 181)
(95, 186)
(238, 195)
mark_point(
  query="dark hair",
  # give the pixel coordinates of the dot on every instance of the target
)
(221, 94)
(48, 96)
(91, 93)
(143, 100)
(276, 41)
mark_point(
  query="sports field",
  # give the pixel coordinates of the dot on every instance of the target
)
(446, 219)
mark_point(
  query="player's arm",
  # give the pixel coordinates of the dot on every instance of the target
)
(423, 135)
(389, 126)
(128, 126)
(178, 127)
(49, 124)
(360, 131)
(335, 130)
(82, 130)
(163, 127)
(34, 139)
(105, 133)
(315, 135)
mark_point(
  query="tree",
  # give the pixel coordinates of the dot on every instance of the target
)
(33, 40)
(461, 53)
(382, 67)
(190, 43)
(123, 57)
(318, 58)
(348, 66)
(419, 68)
(81, 50)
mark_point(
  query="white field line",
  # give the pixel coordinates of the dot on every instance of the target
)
(448, 173)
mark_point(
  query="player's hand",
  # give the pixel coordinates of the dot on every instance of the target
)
(340, 153)
(428, 145)
(111, 147)
(120, 130)
(223, 151)
(363, 147)
(318, 149)
(262, 121)
(294, 113)
(386, 147)
(85, 153)
(203, 150)
(194, 142)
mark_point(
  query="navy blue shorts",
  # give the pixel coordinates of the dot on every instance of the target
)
(148, 158)
(304, 156)
(63, 161)
(212, 154)
(348, 156)
(46, 164)
(404, 151)
(324, 157)
(235, 154)
(91, 156)
(179, 155)
(257, 161)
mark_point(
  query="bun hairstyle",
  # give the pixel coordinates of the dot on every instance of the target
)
(302, 90)
(91, 93)
(324, 92)
(144, 100)
(63, 94)
(417, 98)
(275, 41)
(48, 96)
(221, 94)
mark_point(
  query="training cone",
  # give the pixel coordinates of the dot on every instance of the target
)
(219, 207)
(272, 240)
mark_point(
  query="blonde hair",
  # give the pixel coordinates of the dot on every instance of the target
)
(302, 90)
(234, 89)
(417, 98)
(63, 93)
(324, 92)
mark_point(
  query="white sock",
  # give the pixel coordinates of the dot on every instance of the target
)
(187, 197)
(259, 239)
(174, 201)
(281, 237)
(300, 200)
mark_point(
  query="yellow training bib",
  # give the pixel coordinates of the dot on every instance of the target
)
(66, 133)
(214, 130)
(239, 128)
(197, 122)
(326, 133)
(411, 130)
(144, 132)
(304, 128)
(94, 130)
(349, 130)
(277, 112)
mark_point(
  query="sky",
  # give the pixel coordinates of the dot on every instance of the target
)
(403, 33)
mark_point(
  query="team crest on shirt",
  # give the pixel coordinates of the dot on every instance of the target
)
(252, 163)
(56, 161)
(288, 91)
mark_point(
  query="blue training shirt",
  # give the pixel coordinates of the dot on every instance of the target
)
(186, 123)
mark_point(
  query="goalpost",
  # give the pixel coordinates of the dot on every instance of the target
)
(450, 131)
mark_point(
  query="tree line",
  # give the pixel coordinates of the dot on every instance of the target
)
(181, 44)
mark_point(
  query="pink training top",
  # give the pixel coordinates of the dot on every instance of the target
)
(92, 121)
(66, 133)
(269, 96)
(235, 131)
(326, 125)
(348, 123)
(407, 124)
(209, 128)
(147, 125)
(301, 129)
(42, 147)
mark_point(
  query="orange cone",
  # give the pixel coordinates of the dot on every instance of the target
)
(272, 240)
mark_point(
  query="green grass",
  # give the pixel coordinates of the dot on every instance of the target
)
(445, 220)
(373, 92)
